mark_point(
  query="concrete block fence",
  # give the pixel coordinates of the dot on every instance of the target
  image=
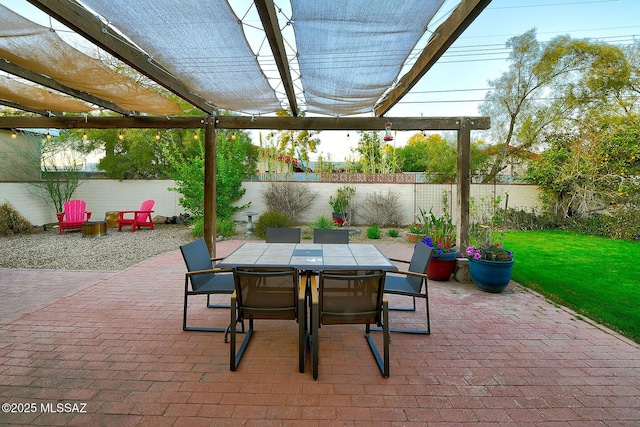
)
(104, 195)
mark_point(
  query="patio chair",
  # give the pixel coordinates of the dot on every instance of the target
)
(350, 297)
(74, 214)
(137, 219)
(204, 279)
(283, 235)
(269, 294)
(340, 236)
(411, 283)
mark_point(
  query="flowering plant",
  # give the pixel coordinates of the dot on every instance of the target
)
(487, 234)
(439, 248)
(489, 251)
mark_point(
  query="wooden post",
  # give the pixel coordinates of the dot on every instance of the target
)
(210, 184)
(464, 184)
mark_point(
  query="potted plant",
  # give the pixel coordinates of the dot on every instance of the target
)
(341, 204)
(415, 233)
(490, 264)
(440, 234)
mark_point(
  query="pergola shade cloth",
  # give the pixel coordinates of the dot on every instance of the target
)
(38, 98)
(350, 52)
(41, 50)
(201, 43)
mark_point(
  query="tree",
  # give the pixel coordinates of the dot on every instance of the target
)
(437, 157)
(236, 156)
(376, 157)
(60, 169)
(290, 144)
(549, 89)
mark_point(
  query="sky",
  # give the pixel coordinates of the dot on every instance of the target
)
(456, 85)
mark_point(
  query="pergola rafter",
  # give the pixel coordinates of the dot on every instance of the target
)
(443, 37)
(268, 16)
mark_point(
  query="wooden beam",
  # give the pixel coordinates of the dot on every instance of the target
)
(88, 26)
(102, 122)
(463, 185)
(268, 16)
(210, 149)
(443, 37)
(46, 81)
(246, 122)
(348, 123)
(29, 110)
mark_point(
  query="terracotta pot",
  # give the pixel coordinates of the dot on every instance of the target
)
(441, 268)
(413, 237)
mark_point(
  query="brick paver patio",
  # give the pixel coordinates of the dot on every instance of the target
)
(114, 341)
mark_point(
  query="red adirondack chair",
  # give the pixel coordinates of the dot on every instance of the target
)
(75, 213)
(139, 218)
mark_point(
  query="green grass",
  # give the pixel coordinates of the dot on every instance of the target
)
(596, 277)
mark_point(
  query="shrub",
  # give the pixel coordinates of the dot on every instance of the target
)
(12, 222)
(379, 208)
(268, 219)
(393, 233)
(226, 227)
(197, 226)
(373, 232)
(290, 198)
(323, 223)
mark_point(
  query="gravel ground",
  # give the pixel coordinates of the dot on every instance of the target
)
(46, 249)
(115, 251)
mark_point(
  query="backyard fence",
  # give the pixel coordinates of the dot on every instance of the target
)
(105, 195)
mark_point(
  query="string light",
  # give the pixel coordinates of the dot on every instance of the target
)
(84, 135)
(196, 136)
(158, 136)
(48, 135)
(13, 134)
(233, 136)
(120, 136)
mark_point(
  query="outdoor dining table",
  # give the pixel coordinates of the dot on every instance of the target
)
(308, 257)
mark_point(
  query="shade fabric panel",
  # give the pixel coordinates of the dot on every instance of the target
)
(41, 50)
(38, 98)
(350, 52)
(201, 43)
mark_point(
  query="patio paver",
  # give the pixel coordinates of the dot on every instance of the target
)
(114, 341)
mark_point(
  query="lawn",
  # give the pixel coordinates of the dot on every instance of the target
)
(596, 277)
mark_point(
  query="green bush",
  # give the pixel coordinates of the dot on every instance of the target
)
(373, 232)
(197, 226)
(226, 227)
(11, 222)
(393, 233)
(323, 223)
(270, 219)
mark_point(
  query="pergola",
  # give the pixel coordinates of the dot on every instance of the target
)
(350, 63)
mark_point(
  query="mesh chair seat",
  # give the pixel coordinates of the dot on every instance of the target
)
(218, 284)
(399, 285)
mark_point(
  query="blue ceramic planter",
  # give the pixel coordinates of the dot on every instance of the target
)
(490, 276)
